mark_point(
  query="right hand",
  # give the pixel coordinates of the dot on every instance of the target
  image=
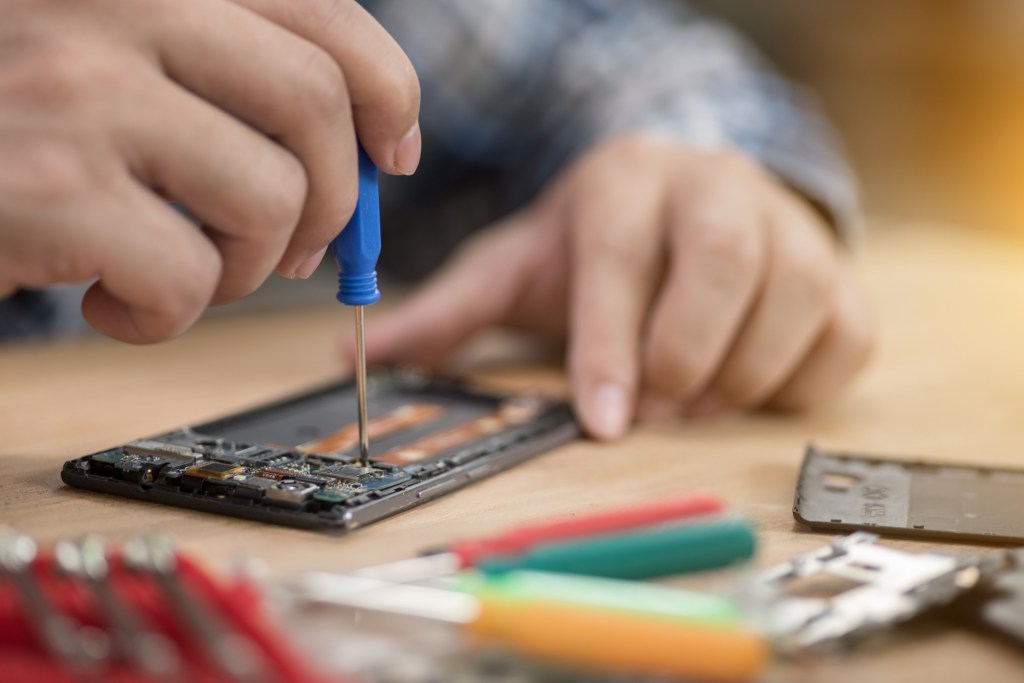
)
(245, 111)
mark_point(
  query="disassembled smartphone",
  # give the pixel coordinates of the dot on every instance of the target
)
(840, 491)
(296, 462)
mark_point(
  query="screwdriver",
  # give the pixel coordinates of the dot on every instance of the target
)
(357, 249)
(652, 539)
(235, 656)
(132, 641)
(55, 631)
(684, 634)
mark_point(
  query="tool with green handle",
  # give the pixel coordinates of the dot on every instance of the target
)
(632, 597)
(639, 554)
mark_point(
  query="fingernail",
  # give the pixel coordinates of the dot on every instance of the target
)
(708, 404)
(407, 154)
(607, 413)
(307, 267)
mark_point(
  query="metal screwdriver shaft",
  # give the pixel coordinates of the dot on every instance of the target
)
(364, 431)
(357, 249)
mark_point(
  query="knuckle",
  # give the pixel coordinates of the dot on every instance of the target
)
(157, 327)
(183, 300)
(284, 198)
(811, 272)
(808, 392)
(732, 163)
(729, 250)
(632, 151)
(347, 201)
(800, 399)
(746, 392)
(602, 244)
(242, 285)
(58, 76)
(322, 91)
(402, 86)
(243, 272)
(747, 383)
(49, 171)
(329, 13)
(672, 371)
(200, 276)
(857, 335)
(65, 264)
(236, 288)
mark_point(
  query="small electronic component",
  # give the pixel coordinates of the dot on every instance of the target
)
(290, 492)
(838, 594)
(842, 491)
(214, 470)
(289, 463)
(161, 449)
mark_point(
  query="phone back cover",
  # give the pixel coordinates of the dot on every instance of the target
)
(840, 491)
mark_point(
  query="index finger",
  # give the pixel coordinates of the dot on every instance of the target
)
(615, 266)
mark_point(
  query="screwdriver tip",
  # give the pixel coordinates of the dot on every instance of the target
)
(364, 435)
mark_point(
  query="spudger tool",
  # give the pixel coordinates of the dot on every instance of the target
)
(357, 249)
(659, 539)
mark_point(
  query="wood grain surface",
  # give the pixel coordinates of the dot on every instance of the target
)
(947, 382)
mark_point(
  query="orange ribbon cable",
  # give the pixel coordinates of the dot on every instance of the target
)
(508, 414)
(404, 417)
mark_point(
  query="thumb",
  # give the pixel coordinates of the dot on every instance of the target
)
(475, 289)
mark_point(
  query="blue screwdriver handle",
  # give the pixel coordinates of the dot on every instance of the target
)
(357, 248)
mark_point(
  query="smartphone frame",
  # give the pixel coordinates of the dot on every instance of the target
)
(552, 428)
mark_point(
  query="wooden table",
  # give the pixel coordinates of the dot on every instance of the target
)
(948, 382)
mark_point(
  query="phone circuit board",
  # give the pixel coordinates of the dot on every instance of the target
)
(296, 462)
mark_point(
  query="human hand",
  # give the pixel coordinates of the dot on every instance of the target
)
(244, 111)
(685, 282)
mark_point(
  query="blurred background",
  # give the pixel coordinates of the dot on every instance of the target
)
(928, 94)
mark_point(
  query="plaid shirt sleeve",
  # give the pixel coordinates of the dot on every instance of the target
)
(524, 86)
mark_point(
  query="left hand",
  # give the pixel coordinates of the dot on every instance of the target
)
(686, 282)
